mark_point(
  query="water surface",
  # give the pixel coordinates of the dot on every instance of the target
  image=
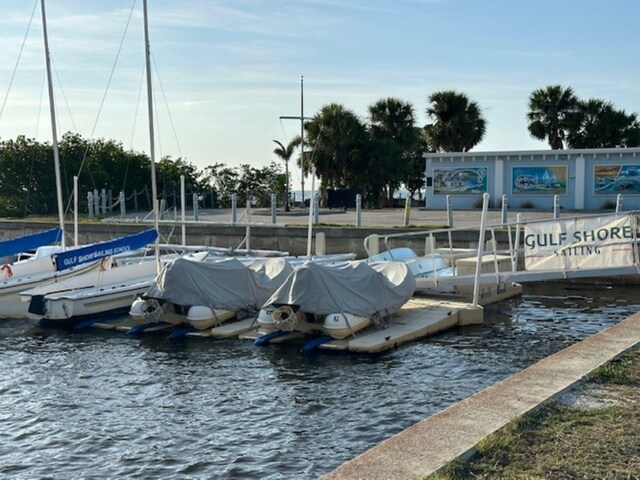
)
(100, 404)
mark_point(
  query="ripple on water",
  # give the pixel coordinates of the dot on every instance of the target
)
(104, 405)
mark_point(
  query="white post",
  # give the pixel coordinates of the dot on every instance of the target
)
(183, 209)
(358, 210)
(310, 230)
(449, 212)
(316, 207)
(90, 203)
(516, 246)
(234, 209)
(321, 243)
(195, 207)
(407, 212)
(619, 203)
(503, 218)
(556, 207)
(75, 210)
(274, 200)
(483, 219)
(103, 199)
(123, 207)
(248, 230)
(96, 202)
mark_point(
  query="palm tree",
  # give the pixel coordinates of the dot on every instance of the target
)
(458, 124)
(285, 154)
(392, 132)
(599, 125)
(552, 112)
(338, 142)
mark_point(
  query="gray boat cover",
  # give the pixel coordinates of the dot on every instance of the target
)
(227, 284)
(367, 290)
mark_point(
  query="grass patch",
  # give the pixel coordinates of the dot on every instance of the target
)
(560, 442)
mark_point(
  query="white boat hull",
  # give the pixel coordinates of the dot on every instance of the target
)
(342, 325)
(11, 303)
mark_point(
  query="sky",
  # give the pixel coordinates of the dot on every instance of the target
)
(225, 71)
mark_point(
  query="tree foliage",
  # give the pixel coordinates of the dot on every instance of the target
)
(598, 124)
(458, 124)
(552, 112)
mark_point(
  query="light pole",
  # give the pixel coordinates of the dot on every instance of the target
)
(302, 118)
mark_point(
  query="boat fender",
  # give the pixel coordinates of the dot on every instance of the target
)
(316, 342)
(151, 310)
(266, 339)
(285, 318)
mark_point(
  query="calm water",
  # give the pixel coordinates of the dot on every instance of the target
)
(101, 404)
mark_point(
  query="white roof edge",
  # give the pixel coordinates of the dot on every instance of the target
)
(515, 153)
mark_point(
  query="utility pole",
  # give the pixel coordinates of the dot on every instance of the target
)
(302, 118)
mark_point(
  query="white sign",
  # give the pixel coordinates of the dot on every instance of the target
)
(598, 242)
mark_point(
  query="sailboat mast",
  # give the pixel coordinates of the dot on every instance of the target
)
(54, 130)
(152, 153)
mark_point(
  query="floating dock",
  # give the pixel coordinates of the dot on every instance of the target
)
(418, 318)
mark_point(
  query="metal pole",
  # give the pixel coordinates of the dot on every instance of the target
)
(195, 207)
(54, 130)
(556, 207)
(316, 207)
(183, 209)
(302, 137)
(123, 207)
(90, 203)
(274, 199)
(96, 202)
(358, 210)
(234, 208)
(503, 217)
(75, 210)
(619, 203)
(310, 230)
(103, 199)
(483, 219)
(248, 229)
(152, 152)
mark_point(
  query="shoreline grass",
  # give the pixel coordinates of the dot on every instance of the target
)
(595, 437)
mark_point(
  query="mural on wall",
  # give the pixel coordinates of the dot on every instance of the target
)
(459, 181)
(613, 179)
(539, 180)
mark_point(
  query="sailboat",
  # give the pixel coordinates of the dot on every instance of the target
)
(37, 269)
(107, 291)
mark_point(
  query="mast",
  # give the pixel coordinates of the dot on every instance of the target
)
(152, 153)
(54, 130)
(302, 137)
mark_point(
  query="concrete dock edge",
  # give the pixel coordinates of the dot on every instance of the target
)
(429, 445)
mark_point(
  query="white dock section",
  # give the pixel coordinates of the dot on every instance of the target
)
(418, 318)
(229, 329)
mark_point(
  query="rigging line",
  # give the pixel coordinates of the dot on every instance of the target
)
(155, 113)
(286, 141)
(15, 68)
(64, 96)
(104, 96)
(155, 67)
(133, 130)
(44, 81)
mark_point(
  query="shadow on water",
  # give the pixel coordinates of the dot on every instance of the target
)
(200, 408)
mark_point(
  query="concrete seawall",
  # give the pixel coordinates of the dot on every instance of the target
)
(292, 239)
